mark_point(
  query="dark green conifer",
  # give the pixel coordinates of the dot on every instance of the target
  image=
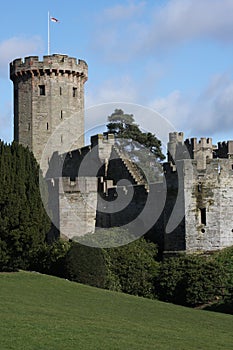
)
(23, 220)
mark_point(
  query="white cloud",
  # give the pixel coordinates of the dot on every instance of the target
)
(183, 20)
(116, 31)
(120, 89)
(209, 114)
(156, 28)
(173, 107)
(213, 111)
(203, 116)
(124, 12)
(10, 49)
(17, 47)
(6, 128)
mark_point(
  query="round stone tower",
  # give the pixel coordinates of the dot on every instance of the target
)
(46, 93)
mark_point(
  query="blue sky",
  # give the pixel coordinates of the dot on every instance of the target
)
(174, 56)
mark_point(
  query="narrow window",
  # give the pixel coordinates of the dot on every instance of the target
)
(61, 115)
(29, 126)
(47, 126)
(61, 138)
(74, 91)
(199, 187)
(60, 91)
(203, 216)
(42, 90)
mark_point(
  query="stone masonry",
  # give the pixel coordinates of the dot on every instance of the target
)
(46, 93)
(202, 174)
(193, 201)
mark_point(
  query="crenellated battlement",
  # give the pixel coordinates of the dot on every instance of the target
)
(176, 137)
(204, 142)
(58, 64)
(103, 144)
(102, 139)
(180, 149)
(201, 150)
(224, 150)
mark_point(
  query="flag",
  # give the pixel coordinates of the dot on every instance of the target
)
(53, 19)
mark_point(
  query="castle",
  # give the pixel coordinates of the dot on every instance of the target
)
(189, 209)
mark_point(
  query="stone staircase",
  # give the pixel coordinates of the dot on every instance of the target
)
(132, 169)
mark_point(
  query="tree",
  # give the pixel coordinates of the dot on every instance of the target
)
(23, 220)
(50, 258)
(190, 280)
(225, 260)
(133, 268)
(104, 238)
(123, 126)
(141, 148)
(130, 268)
(86, 265)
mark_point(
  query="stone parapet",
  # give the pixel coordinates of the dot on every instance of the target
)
(58, 64)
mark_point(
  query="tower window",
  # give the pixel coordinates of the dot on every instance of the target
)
(60, 91)
(61, 138)
(203, 216)
(74, 91)
(42, 90)
(29, 126)
(61, 115)
(47, 126)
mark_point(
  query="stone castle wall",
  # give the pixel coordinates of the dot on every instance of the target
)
(196, 208)
(209, 206)
(197, 214)
(77, 206)
(205, 186)
(47, 93)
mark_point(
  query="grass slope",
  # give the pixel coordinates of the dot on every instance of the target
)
(43, 312)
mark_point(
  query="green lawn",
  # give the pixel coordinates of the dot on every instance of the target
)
(43, 312)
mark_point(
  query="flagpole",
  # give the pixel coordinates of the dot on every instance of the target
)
(48, 33)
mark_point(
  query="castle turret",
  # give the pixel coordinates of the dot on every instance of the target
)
(175, 139)
(46, 93)
(203, 151)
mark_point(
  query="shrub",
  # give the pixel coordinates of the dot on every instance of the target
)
(86, 265)
(225, 259)
(190, 280)
(50, 258)
(134, 267)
